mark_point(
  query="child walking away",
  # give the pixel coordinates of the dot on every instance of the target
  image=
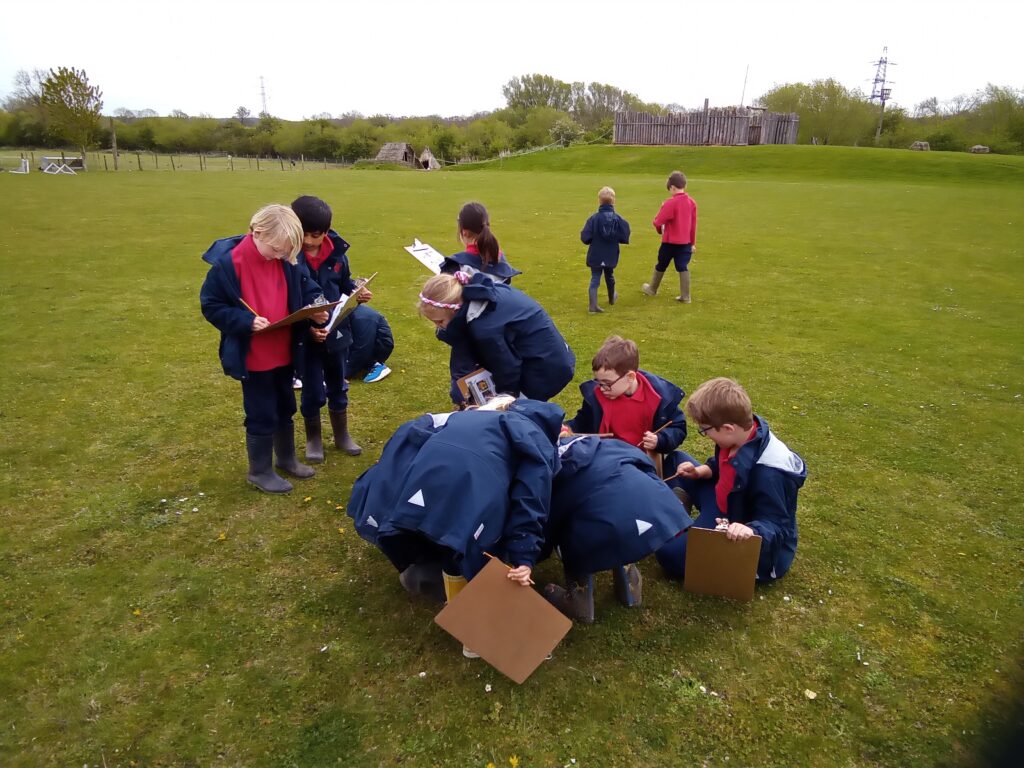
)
(325, 255)
(254, 281)
(677, 223)
(750, 484)
(482, 254)
(603, 232)
(495, 326)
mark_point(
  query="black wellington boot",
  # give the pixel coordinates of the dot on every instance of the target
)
(261, 472)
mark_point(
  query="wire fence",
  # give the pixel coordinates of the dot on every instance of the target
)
(132, 161)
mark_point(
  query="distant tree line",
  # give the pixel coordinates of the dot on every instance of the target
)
(832, 114)
(60, 108)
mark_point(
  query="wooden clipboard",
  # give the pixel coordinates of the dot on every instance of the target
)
(476, 387)
(349, 305)
(717, 566)
(301, 314)
(511, 626)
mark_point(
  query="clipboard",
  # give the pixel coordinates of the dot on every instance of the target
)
(717, 566)
(511, 626)
(426, 255)
(298, 315)
(347, 306)
(477, 387)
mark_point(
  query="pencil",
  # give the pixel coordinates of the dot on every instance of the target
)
(532, 582)
(248, 307)
(667, 423)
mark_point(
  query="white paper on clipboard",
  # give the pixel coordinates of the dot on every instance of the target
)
(426, 255)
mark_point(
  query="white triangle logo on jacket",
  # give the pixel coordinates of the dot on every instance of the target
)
(417, 499)
(642, 526)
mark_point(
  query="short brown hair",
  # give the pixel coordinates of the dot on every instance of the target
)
(606, 196)
(676, 179)
(617, 354)
(721, 401)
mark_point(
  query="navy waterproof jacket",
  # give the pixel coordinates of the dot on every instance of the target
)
(588, 417)
(508, 333)
(768, 476)
(372, 340)
(471, 263)
(471, 481)
(221, 301)
(608, 506)
(334, 276)
(603, 232)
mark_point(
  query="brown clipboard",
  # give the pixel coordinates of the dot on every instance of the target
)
(511, 626)
(301, 314)
(463, 384)
(717, 566)
(350, 304)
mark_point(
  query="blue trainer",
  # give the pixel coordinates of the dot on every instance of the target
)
(378, 372)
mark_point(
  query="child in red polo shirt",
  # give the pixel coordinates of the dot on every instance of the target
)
(252, 283)
(676, 222)
(639, 408)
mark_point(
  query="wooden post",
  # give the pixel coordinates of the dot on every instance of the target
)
(302, 159)
(325, 163)
(249, 158)
(156, 161)
(105, 163)
(172, 163)
(113, 141)
(138, 159)
(257, 162)
(231, 162)
(282, 161)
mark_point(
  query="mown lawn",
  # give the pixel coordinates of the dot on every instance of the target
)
(158, 611)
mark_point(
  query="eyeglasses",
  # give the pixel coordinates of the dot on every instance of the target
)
(703, 431)
(607, 386)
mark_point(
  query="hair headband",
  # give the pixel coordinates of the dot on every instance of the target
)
(462, 279)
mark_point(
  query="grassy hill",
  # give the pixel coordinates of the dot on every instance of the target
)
(157, 611)
(805, 163)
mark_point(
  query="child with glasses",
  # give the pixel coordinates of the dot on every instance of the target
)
(637, 407)
(254, 280)
(750, 485)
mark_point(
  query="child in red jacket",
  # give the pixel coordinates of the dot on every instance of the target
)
(677, 223)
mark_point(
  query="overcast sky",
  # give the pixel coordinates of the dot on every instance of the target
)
(451, 57)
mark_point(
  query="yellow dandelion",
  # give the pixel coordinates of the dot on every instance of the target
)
(514, 761)
(796, 407)
(340, 506)
(136, 612)
(222, 536)
(308, 498)
(341, 531)
(491, 765)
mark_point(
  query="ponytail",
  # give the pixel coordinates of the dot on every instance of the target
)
(474, 218)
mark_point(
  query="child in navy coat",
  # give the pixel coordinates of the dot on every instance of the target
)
(482, 254)
(325, 255)
(603, 232)
(750, 484)
(253, 282)
(500, 328)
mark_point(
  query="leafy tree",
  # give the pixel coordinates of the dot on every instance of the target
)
(28, 92)
(242, 114)
(72, 106)
(532, 91)
(179, 114)
(565, 131)
(829, 112)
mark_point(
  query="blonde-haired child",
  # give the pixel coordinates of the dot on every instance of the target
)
(253, 282)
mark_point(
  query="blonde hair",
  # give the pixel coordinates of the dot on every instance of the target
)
(442, 292)
(617, 354)
(277, 224)
(721, 401)
(606, 196)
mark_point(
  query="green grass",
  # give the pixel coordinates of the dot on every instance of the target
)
(157, 611)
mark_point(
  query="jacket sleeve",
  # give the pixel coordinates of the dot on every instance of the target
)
(623, 231)
(693, 225)
(223, 311)
(345, 281)
(460, 363)
(769, 513)
(529, 492)
(664, 215)
(672, 436)
(585, 419)
(587, 235)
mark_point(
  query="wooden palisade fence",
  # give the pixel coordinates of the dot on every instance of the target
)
(730, 126)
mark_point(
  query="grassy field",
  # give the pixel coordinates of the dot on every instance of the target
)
(158, 611)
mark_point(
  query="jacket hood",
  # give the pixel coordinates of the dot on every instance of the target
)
(548, 416)
(479, 288)
(220, 247)
(772, 452)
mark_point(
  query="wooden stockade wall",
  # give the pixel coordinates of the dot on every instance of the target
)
(731, 126)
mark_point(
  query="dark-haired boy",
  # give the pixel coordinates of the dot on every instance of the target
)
(324, 254)
(677, 223)
(750, 483)
(637, 407)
